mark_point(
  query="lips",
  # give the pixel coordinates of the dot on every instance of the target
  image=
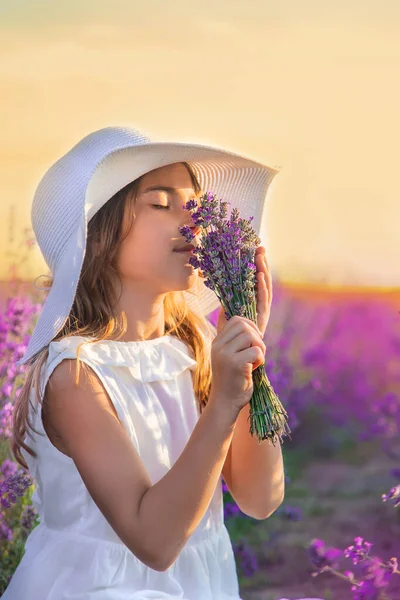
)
(187, 248)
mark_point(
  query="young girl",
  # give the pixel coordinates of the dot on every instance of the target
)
(129, 440)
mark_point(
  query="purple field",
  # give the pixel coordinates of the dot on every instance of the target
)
(333, 357)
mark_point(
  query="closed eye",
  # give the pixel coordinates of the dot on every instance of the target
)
(159, 206)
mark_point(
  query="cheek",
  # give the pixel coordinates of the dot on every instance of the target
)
(144, 255)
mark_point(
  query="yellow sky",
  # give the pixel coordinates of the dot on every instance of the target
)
(314, 89)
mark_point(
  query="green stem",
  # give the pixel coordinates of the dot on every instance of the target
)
(268, 418)
(338, 574)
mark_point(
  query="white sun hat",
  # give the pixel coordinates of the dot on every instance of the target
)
(79, 183)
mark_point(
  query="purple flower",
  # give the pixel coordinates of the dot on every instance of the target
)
(186, 231)
(28, 518)
(291, 513)
(376, 577)
(394, 494)
(359, 551)
(8, 468)
(321, 556)
(365, 590)
(5, 531)
(6, 414)
(231, 509)
(13, 487)
(247, 558)
(226, 254)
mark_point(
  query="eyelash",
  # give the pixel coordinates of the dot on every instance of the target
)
(160, 205)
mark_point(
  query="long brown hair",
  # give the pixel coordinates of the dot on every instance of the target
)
(93, 315)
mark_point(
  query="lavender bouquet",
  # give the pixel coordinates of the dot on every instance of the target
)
(225, 259)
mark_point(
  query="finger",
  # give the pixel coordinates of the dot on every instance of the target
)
(262, 303)
(262, 284)
(251, 356)
(253, 335)
(246, 340)
(263, 267)
(268, 276)
(248, 321)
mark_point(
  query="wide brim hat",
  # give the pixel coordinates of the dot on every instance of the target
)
(79, 183)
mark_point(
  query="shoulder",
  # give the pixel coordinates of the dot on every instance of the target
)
(68, 372)
(74, 390)
(62, 364)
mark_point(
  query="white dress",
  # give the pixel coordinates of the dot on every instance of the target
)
(74, 554)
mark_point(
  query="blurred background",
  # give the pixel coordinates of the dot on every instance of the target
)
(310, 87)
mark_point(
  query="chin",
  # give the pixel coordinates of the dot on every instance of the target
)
(188, 283)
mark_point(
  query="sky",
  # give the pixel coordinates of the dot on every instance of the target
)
(311, 87)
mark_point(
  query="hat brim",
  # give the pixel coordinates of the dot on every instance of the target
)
(60, 298)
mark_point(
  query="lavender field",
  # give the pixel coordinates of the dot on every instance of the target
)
(333, 357)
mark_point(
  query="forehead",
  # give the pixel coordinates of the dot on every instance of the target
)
(170, 178)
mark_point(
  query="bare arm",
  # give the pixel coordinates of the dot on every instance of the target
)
(253, 472)
(180, 499)
(154, 521)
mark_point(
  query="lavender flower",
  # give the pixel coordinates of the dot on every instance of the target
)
(322, 556)
(291, 513)
(8, 468)
(365, 590)
(225, 259)
(377, 578)
(12, 488)
(375, 574)
(358, 551)
(231, 510)
(394, 494)
(6, 532)
(28, 518)
(6, 413)
(247, 557)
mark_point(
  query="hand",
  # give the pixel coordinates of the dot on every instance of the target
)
(235, 352)
(263, 293)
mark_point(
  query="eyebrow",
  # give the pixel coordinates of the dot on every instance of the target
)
(162, 188)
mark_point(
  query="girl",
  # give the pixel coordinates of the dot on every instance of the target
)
(130, 438)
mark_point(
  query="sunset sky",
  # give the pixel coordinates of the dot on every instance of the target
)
(313, 87)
